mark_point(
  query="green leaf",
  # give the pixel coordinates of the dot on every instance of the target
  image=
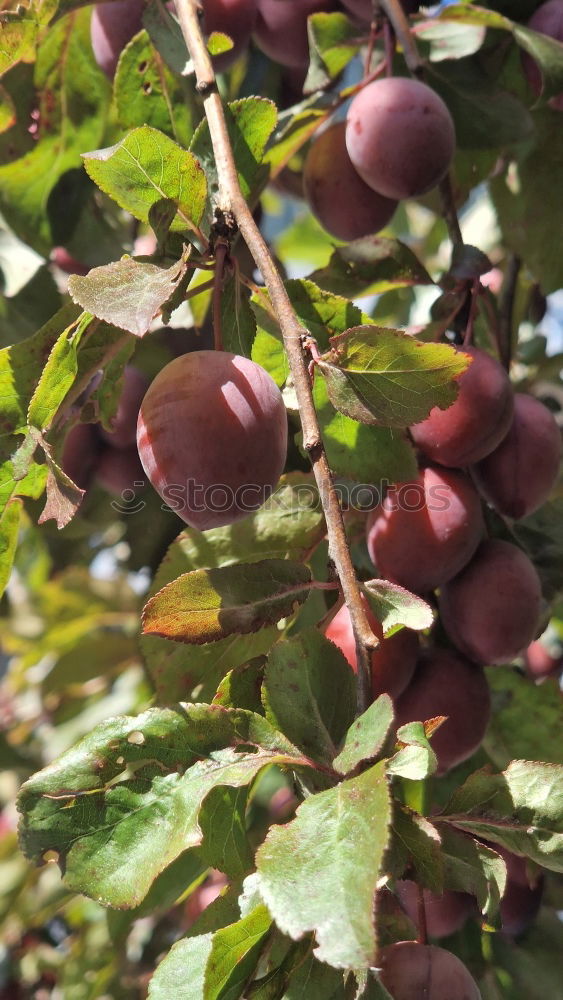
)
(366, 736)
(528, 208)
(222, 820)
(206, 605)
(295, 127)
(309, 693)
(147, 93)
(450, 41)
(123, 803)
(19, 34)
(541, 535)
(212, 966)
(166, 36)
(9, 527)
(416, 759)
(241, 687)
(370, 266)
(394, 606)
(250, 122)
(333, 41)
(146, 167)
(526, 718)
(319, 872)
(8, 115)
(128, 293)
(387, 377)
(547, 52)
(416, 842)
(315, 981)
(322, 313)
(238, 324)
(58, 376)
(72, 110)
(485, 115)
(471, 867)
(470, 13)
(358, 451)
(521, 809)
(269, 352)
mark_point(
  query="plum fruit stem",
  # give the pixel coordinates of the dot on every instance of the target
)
(231, 199)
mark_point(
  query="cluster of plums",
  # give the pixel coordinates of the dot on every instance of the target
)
(429, 534)
(90, 453)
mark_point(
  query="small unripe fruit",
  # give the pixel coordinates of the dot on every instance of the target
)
(413, 971)
(392, 663)
(424, 532)
(400, 137)
(445, 683)
(476, 422)
(212, 437)
(341, 201)
(445, 913)
(491, 610)
(281, 29)
(518, 476)
(547, 20)
(124, 424)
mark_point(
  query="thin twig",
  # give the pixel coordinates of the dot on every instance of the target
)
(506, 309)
(422, 925)
(449, 211)
(394, 11)
(221, 251)
(230, 198)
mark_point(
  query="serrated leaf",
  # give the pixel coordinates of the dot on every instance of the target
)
(18, 36)
(366, 736)
(63, 496)
(526, 718)
(472, 867)
(144, 779)
(58, 375)
(394, 606)
(521, 809)
(416, 842)
(386, 377)
(206, 605)
(358, 451)
(145, 167)
(370, 266)
(128, 293)
(416, 759)
(319, 872)
(222, 820)
(250, 123)
(241, 687)
(333, 41)
(309, 693)
(212, 966)
(9, 526)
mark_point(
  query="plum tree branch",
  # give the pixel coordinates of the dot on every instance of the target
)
(231, 199)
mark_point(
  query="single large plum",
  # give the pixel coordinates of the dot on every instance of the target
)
(425, 531)
(235, 18)
(445, 913)
(112, 26)
(392, 663)
(491, 610)
(518, 476)
(478, 419)
(212, 437)
(413, 971)
(80, 454)
(124, 423)
(342, 203)
(400, 137)
(548, 20)
(281, 29)
(445, 683)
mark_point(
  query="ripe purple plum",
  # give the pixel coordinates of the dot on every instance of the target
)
(476, 422)
(548, 20)
(119, 471)
(542, 662)
(400, 137)
(445, 913)
(445, 683)
(80, 454)
(124, 424)
(112, 26)
(413, 971)
(212, 437)
(392, 663)
(234, 18)
(518, 476)
(281, 29)
(491, 610)
(425, 531)
(337, 195)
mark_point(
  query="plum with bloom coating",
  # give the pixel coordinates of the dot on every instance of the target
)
(413, 971)
(212, 437)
